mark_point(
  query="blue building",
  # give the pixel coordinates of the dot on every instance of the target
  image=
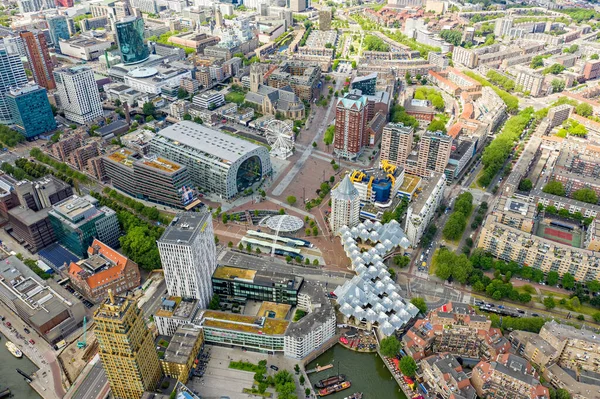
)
(59, 29)
(31, 111)
(130, 36)
(366, 84)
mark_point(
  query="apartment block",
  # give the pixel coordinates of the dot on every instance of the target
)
(396, 143)
(591, 69)
(184, 346)
(422, 210)
(443, 374)
(530, 82)
(303, 77)
(350, 126)
(433, 154)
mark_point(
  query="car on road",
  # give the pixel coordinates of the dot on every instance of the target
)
(274, 367)
(26, 330)
(500, 307)
(479, 303)
(521, 311)
(535, 315)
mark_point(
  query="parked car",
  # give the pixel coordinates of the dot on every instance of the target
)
(26, 330)
(32, 342)
(274, 367)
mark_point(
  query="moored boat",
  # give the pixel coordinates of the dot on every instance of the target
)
(329, 381)
(356, 395)
(334, 388)
(12, 348)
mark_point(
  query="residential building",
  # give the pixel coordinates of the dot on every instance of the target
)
(236, 284)
(150, 178)
(508, 376)
(350, 126)
(530, 82)
(591, 69)
(126, 348)
(509, 234)
(173, 313)
(32, 228)
(396, 143)
(104, 269)
(189, 85)
(77, 221)
(58, 26)
(444, 375)
(345, 206)
(422, 210)
(78, 94)
(184, 347)
(316, 328)
(209, 99)
(324, 20)
(39, 59)
(13, 75)
(188, 255)
(217, 162)
(130, 37)
(433, 154)
(30, 110)
(557, 115)
(46, 307)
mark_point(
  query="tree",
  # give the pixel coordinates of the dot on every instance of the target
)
(187, 117)
(148, 108)
(408, 366)
(315, 230)
(262, 387)
(307, 391)
(401, 261)
(182, 93)
(140, 246)
(593, 286)
(549, 302)
(585, 195)
(437, 125)
(420, 304)
(525, 185)
(291, 200)
(584, 109)
(562, 393)
(568, 281)
(214, 303)
(554, 187)
(557, 85)
(389, 346)
(198, 120)
(455, 225)
(302, 380)
(596, 317)
(552, 278)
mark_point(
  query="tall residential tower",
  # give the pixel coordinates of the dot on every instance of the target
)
(345, 206)
(39, 58)
(189, 256)
(350, 126)
(78, 94)
(126, 348)
(13, 75)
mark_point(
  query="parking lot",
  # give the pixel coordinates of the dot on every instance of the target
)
(77, 295)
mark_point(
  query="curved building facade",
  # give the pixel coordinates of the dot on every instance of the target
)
(217, 162)
(130, 36)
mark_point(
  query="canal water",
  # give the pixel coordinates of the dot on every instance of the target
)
(9, 376)
(366, 371)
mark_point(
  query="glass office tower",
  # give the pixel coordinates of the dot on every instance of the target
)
(130, 36)
(31, 111)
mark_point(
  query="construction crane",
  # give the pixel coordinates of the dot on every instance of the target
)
(82, 344)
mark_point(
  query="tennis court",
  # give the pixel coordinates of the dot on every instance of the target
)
(571, 238)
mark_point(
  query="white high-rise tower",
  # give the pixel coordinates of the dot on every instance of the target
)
(345, 206)
(12, 74)
(189, 256)
(78, 94)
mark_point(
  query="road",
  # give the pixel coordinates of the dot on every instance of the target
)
(324, 122)
(149, 307)
(94, 386)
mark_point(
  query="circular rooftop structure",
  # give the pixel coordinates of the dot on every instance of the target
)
(143, 72)
(284, 223)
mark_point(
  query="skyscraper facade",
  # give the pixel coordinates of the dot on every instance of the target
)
(130, 36)
(345, 206)
(39, 58)
(434, 152)
(78, 94)
(350, 126)
(26, 6)
(12, 74)
(189, 256)
(31, 111)
(64, 3)
(396, 143)
(59, 29)
(126, 348)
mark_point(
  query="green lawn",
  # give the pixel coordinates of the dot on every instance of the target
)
(475, 183)
(235, 97)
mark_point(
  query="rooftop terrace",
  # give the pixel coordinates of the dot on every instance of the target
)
(246, 324)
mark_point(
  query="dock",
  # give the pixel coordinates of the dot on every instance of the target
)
(319, 369)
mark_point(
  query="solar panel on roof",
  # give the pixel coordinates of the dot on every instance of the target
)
(57, 256)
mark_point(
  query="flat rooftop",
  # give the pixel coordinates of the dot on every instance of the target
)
(181, 345)
(410, 184)
(185, 226)
(122, 156)
(274, 310)
(207, 140)
(228, 272)
(247, 324)
(161, 164)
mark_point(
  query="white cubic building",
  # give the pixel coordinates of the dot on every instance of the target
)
(189, 256)
(78, 94)
(153, 79)
(345, 206)
(422, 210)
(209, 99)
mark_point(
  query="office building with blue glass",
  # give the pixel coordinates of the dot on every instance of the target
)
(58, 27)
(130, 37)
(30, 110)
